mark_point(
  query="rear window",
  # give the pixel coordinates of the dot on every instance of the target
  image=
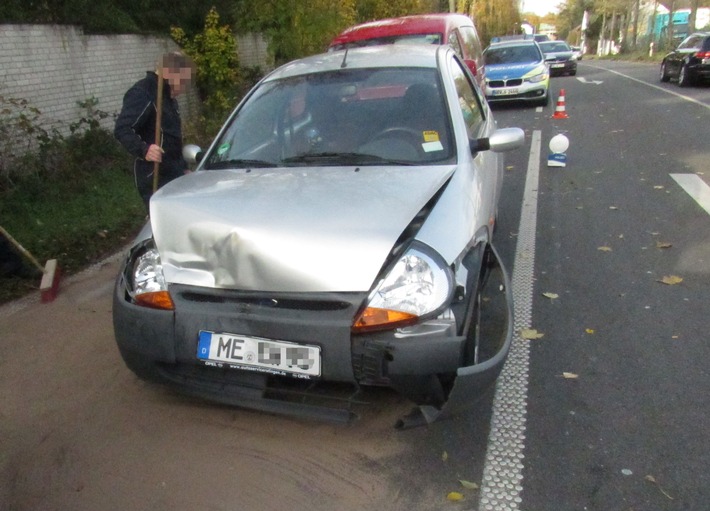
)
(393, 39)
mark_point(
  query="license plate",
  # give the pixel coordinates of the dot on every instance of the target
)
(557, 65)
(505, 92)
(258, 354)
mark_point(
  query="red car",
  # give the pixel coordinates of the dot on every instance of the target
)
(456, 30)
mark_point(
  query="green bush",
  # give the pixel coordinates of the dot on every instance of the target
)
(68, 198)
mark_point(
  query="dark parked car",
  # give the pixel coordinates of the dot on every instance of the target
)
(689, 63)
(560, 57)
(337, 233)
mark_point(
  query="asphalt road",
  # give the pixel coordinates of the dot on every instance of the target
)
(630, 431)
(79, 432)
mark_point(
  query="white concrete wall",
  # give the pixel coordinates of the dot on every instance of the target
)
(53, 67)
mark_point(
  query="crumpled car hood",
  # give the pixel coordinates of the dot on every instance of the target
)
(320, 229)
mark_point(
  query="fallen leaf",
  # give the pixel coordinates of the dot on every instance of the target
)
(604, 249)
(662, 244)
(455, 496)
(468, 485)
(652, 479)
(658, 187)
(551, 296)
(444, 456)
(589, 330)
(671, 280)
(510, 167)
(530, 333)
(613, 207)
(570, 376)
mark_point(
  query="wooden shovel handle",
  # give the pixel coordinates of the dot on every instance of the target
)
(158, 119)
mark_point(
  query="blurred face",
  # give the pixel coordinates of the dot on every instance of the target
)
(179, 79)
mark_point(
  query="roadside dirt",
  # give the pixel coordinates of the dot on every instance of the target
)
(78, 431)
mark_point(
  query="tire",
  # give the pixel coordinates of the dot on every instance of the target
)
(544, 101)
(683, 78)
(573, 73)
(665, 77)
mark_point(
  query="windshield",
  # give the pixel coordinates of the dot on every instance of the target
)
(345, 117)
(512, 54)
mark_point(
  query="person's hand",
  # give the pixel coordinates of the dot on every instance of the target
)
(154, 153)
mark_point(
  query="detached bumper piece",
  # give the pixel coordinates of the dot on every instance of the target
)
(496, 337)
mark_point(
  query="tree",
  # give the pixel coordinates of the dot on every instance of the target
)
(495, 17)
(294, 28)
(214, 52)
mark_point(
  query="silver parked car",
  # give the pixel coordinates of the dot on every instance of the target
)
(337, 234)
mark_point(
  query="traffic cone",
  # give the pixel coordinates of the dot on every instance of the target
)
(560, 108)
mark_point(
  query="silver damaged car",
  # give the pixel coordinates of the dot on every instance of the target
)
(336, 235)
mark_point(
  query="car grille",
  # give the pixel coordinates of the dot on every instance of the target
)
(514, 82)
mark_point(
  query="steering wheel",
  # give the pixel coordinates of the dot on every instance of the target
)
(408, 135)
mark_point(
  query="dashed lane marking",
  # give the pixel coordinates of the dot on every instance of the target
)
(502, 471)
(696, 188)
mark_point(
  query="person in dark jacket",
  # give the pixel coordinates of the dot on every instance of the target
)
(135, 125)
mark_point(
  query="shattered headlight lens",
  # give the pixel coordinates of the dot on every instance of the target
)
(419, 285)
(147, 282)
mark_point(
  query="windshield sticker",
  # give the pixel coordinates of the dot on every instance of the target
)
(431, 142)
(430, 136)
(223, 148)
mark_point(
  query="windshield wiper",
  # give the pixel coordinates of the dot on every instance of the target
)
(343, 159)
(225, 164)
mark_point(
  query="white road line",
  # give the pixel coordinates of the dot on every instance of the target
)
(683, 96)
(502, 471)
(696, 188)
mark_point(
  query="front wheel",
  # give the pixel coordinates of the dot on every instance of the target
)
(665, 77)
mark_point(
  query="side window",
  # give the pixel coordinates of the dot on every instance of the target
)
(471, 42)
(469, 100)
(690, 42)
(455, 44)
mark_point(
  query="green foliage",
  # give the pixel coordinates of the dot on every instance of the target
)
(496, 17)
(112, 16)
(295, 28)
(368, 10)
(218, 79)
(70, 198)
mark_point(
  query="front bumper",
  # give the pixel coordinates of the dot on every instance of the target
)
(563, 67)
(424, 363)
(525, 91)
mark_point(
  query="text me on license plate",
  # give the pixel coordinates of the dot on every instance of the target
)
(505, 92)
(258, 354)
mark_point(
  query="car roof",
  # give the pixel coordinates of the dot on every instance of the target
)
(415, 55)
(405, 25)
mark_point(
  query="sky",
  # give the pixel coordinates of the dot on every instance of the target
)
(540, 7)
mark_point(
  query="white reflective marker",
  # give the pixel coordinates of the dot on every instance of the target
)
(696, 188)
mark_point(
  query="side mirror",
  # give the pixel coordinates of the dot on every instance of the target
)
(500, 141)
(192, 153)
